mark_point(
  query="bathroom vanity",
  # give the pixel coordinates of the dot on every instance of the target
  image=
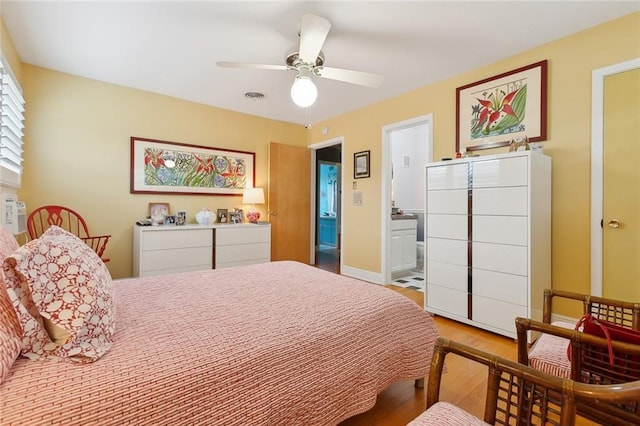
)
(403, 242)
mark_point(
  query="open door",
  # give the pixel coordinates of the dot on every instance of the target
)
(290, 202)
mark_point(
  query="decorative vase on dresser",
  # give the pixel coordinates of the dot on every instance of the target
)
(488, 238)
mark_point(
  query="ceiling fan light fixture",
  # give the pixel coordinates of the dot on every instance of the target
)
(303, 91)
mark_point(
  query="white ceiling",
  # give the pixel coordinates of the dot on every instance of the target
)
(171, 47)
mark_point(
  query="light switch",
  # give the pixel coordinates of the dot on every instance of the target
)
(357, 198)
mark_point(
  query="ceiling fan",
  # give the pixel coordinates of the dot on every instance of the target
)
(308, 62)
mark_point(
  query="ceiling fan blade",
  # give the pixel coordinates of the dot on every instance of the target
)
(313, 33)
(225, 64)
(350, 76)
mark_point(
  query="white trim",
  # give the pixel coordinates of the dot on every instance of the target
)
(314, 147)
(597, 169)
(385, 249)
(563, 318)
(361, 274)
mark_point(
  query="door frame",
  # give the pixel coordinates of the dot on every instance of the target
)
(385, 236)
(314, 147)
(597, 165)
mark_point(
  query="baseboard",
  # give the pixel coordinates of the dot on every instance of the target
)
(361, 274)
(563, 318)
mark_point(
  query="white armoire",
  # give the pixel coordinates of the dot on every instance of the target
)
(488, 238)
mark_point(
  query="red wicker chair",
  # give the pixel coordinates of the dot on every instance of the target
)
(43, 217)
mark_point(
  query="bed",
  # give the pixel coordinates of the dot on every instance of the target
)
(280, 343)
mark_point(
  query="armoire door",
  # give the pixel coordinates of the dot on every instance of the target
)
(621, 186)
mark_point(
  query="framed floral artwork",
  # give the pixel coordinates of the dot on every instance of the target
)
(179, 168)
(492, 112)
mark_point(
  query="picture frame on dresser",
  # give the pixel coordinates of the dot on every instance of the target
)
(222, 216)
(158, 209)
(181, 218)
(493, 111)
(236, 217)
(170, 220)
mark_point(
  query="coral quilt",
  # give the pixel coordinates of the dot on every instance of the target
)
(280, 343)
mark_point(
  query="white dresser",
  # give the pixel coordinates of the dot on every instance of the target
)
(488, 239)
(159, 250)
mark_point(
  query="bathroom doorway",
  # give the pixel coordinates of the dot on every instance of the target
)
(408, 148)
(328, 196)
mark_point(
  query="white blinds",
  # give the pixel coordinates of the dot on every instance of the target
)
(11, 118)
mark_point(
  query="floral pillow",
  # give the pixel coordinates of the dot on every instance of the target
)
(62, 292)
(10, 329)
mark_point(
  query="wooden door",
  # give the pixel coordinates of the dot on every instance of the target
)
(621, 186)
(290, 202)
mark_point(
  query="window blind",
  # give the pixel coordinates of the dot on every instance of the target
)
(11, 125)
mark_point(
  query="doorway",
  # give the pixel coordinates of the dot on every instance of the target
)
(609, 231)
(407, 148)
(327, 158)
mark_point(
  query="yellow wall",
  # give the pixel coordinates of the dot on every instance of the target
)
(77, 150)
(77, 145)
(571, 61)
(9, 51)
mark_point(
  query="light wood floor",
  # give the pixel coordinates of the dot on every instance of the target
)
(463, 384)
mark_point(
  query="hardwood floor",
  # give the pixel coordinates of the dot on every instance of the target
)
(463, 384)
(328, 258)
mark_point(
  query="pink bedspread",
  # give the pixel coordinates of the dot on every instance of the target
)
(273, 344)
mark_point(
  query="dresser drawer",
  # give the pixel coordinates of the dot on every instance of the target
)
(447, 251)
(500, 286)
(176, 238)
(446, 299)
(242, 254)
(498, 314)
(451, 201)
(500, 172)
(235, 236)
(447, 275)
(192, 258)
(447, 226)
(500, 229)
(500, 258)
(508, 201)
(449, 176)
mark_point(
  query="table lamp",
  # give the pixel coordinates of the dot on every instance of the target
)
(253, 196)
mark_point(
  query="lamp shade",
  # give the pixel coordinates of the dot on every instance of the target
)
(253, 196)
(303, 92)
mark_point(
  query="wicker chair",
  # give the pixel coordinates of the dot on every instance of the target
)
(516, 394)
(549, 352)
(626, 314)
(592, 365)
(43, 217)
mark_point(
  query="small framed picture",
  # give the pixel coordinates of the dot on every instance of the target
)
(181, 218)
(221, 216)
(170, 220)
(236, 216)
(156, 209)
(361, 164)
